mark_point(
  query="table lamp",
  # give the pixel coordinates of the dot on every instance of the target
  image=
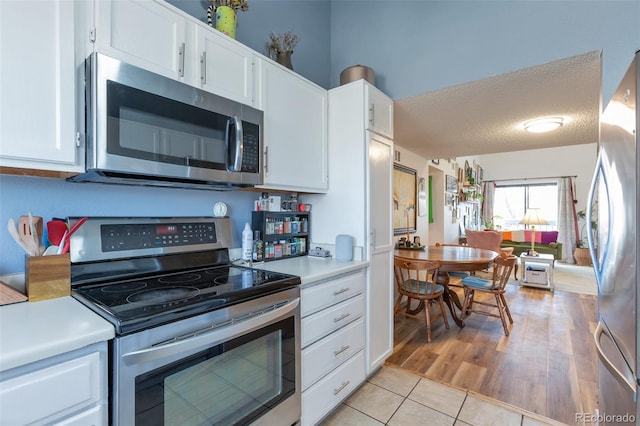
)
(532, 217)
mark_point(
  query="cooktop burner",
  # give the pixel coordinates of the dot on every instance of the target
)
(140, 273)
(163, 295)
(145, 302)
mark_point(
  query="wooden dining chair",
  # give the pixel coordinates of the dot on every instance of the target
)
(415, 280)
(502, 267)
(489, 240)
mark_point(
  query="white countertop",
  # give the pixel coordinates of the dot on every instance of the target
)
(32, 331)
(312, 269)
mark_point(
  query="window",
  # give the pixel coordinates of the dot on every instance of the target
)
(512, 201)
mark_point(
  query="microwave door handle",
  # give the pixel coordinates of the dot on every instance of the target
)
(235, 155)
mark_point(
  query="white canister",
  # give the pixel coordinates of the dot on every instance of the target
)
(344, 247)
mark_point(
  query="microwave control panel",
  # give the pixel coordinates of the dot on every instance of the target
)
(251, 148)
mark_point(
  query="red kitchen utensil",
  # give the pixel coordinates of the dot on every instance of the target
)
(55, 231)
(67, 238)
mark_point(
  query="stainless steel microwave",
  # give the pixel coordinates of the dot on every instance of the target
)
(146, 129)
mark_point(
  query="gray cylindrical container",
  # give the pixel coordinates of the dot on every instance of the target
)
(344, 247)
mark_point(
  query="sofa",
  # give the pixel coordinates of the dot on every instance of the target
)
(520, 240)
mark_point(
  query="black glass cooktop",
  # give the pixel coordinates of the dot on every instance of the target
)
(139, 303)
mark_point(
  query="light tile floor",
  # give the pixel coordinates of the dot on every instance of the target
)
(397, 397)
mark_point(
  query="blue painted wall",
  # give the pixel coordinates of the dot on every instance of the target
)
(58, 198)
(419, 46)
(414, 47)
(309, 19)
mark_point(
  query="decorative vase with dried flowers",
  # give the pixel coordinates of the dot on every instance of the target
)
(282, 46)
(223, 12)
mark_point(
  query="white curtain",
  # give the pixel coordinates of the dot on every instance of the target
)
(567, 219)
(488, 195)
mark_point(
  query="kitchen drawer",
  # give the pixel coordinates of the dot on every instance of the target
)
(331, 292)
(325, 322)
(51, 393)
(328, 353)
(328, 393)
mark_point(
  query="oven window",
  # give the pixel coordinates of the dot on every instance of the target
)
(231, 383)
(151, 127)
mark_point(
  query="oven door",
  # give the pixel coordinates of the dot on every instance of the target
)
(239, 365)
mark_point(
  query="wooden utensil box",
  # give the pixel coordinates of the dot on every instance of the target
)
(47, 277)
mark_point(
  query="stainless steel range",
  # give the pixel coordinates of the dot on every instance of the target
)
(199, 341)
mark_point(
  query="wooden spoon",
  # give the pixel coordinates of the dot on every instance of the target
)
(30, 231)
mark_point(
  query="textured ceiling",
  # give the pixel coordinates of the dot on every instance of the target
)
(486, 116)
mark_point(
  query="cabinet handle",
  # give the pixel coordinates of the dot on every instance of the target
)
(203, 68)
(372, 112)
(342, 290)
(342, 349)
(181, 60)
(342, 386)
(341, 317)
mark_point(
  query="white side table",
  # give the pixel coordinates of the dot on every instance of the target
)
(546, 260)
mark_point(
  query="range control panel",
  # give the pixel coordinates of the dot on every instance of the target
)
(134, 236)
(112, 238)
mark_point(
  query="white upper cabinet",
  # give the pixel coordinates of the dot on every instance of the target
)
(37, 85)
(225, 66)
(163, 39)
(148, 34)
(295, 130)
(379, 111)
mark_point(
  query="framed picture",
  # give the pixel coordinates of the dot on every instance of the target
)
(451, 184)
(404, 199)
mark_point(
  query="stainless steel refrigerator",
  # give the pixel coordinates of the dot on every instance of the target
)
(613, 203)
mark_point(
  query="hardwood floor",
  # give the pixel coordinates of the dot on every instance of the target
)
(547, 365)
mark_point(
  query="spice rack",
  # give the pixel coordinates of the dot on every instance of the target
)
(285, 234)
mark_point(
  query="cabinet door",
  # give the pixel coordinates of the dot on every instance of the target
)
(147, 34)
(37, 85)
(224, 66)
(379, 113)
(380, 282)
(46, 395)
(295, 131)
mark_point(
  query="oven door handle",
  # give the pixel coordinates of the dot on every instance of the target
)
(216, 334)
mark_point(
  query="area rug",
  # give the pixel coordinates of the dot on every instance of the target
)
(566, 277)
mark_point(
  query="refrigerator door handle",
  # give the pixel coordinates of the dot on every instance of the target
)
(599, 176)
(617, 374)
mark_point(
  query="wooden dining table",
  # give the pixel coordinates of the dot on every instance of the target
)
(452, 259)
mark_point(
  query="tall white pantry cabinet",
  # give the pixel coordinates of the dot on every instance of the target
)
(360, 200)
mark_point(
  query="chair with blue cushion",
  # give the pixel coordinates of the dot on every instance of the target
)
(502, 267)
(415, 280)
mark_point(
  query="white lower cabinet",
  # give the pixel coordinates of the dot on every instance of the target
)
(323, 397)
(324, 356)
(333, 341)
(69, 389)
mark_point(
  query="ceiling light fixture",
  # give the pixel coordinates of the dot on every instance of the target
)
(541, 125)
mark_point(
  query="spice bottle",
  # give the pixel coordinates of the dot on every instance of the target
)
(258, 247)
(247, 242)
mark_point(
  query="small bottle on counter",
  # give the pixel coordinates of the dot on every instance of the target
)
(247, 242)
(258, 247)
